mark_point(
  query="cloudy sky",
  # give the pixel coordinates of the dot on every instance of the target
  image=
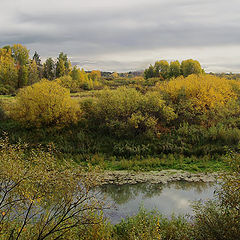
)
(124, 35)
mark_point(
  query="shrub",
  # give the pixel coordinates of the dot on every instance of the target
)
(44, 104)
(219, 219)
(205, 92)
(2, 113)
(224, 134)
(6, 89)
(127, 149)
(78, 80)
(127, 110)
(200, 97)
(152, 225)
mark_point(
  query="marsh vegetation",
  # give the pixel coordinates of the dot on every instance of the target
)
(58, 121)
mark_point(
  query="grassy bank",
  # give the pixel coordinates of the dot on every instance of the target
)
(93, 147)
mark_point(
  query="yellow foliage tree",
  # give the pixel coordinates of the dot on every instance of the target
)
(8, 70)
(205, 92)
(45, 103)
(114, 75)
(95, 75)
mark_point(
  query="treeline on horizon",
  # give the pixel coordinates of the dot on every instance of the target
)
(17, 70)
(163, 70)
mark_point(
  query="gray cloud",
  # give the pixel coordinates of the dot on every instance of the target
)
(101, 33)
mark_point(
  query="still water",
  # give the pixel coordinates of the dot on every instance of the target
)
(168, 198)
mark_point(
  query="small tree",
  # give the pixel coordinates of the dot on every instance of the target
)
(95, 75)
(161, 69)
(49, 70)
(115, 75)
(44, 104)
(190, 66)
(149, 72)
(175, 69)
(8, 70)
(33, 73)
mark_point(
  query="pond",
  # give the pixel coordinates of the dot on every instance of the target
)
(175, 197)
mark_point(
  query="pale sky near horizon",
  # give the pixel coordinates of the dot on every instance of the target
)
(126, 35)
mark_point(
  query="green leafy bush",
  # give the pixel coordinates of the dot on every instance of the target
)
(219, 219)
(126, 111)
(152, 225)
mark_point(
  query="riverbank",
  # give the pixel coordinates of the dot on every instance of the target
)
(153, 177)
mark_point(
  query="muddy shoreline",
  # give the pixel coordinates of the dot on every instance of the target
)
(153, 177)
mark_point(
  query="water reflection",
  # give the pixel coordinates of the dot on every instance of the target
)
(168, 198)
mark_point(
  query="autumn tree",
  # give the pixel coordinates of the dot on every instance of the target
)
(190, 66)
(60, 68)
(95, 75)
(7, 47)
(201, 98)
(20, 54)
(33, 73)
(82, 80)
(23, 74)
(76, 73)
(21, 57)
(42, 199)
(49, 71)
(174, 69)
(8, 70)
(149, 72)
(161, 69)
(63, 65)
(114, 74)
(37, 59)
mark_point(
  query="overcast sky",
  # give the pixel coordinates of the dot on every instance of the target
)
(124, 35)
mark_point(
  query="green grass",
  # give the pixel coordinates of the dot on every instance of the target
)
(85, 94)
(3, 97)
(178, 162)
